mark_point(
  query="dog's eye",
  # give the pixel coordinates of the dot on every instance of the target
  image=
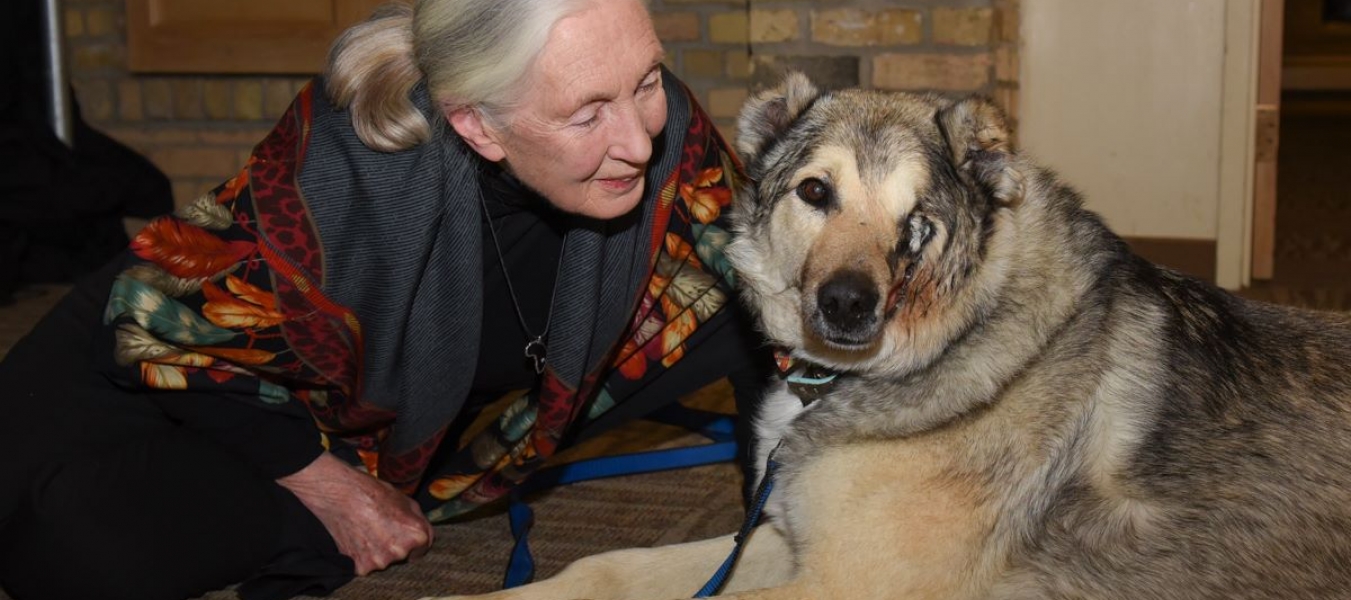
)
(814, 192)
(920, 230)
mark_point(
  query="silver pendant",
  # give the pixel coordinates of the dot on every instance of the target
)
(536, 351)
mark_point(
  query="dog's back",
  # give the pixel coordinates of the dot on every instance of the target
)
(1239, 483)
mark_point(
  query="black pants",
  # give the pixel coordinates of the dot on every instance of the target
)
(131, 522)
(103, 496)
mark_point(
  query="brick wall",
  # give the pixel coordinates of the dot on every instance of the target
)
(200, 128)
(727, 48)
(197, 129)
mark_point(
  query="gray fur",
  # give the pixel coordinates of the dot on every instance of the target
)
(1142, 434)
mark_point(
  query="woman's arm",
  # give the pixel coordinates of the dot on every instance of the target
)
(373, 524)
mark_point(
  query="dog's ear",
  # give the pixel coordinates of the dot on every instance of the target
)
(978, 137)
(770, 112)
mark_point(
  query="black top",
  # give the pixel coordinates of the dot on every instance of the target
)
(530, 231)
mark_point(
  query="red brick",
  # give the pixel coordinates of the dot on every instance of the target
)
(677, 27)
(854, 27)
(948, 72)
(771, 26)
(74, 22)
(248, 100)
(187, 98)
(129, 106)
(963, 26)
(218, 98)
(159, 99)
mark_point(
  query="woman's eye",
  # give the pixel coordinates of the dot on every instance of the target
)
(813, 191)
(586, 120)
(651, 82)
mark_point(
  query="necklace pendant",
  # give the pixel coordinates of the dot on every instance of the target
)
(535, 350)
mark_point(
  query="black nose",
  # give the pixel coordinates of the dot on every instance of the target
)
(847, 302)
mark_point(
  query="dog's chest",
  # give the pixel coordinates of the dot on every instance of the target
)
(777, 412)
(901, 494)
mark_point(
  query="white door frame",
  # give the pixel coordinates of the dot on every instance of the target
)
(1238, 135)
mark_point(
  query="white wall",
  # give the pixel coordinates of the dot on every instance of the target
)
(1124, 100)
(1148, 107)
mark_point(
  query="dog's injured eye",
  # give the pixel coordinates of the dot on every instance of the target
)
(918, 232)
(815, 192)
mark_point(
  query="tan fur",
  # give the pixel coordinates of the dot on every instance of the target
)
(931, 546)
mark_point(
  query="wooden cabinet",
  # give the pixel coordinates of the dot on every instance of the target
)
(237, 36)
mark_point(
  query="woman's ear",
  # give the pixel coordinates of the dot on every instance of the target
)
(468, 122)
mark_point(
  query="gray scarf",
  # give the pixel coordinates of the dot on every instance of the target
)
(401, 237)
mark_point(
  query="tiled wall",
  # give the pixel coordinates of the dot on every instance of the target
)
(199, 128)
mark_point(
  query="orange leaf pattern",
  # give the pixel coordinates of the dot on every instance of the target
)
(708, 177)
(446, 488)
(673, 337)
(705, 197)
(681, 293)
(249, 292)
(186, 250)
(164, 377)
(224, 310)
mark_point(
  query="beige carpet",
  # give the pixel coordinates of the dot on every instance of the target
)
(571, 522)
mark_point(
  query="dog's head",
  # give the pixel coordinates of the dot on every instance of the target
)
(864, 230)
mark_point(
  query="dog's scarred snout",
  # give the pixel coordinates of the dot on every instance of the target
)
(848, 305)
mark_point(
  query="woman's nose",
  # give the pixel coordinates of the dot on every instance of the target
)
(631, 142)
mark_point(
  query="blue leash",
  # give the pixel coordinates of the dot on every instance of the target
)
(521, 565)
(719, 578)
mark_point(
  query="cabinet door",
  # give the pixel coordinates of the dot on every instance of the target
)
(238, 36)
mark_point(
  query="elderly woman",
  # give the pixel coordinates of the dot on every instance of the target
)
(479, 196)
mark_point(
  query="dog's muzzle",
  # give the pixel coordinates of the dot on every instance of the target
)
(847, 309)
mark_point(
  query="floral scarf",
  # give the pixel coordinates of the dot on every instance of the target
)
(330, 280)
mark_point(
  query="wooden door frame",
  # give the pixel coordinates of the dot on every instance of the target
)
(1268, 138)
(1233, 243)
(1246, 232)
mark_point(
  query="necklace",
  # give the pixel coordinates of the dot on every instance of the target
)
(536, 346)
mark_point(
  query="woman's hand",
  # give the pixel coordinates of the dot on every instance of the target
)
(373, 524)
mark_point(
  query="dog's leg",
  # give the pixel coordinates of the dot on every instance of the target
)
(675, 571)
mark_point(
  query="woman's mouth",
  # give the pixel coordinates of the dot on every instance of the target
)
(620, 185)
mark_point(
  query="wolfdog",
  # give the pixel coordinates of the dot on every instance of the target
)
(1021, 407)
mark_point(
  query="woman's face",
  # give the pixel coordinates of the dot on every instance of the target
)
(582, 134)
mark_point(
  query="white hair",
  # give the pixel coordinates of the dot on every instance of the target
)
(470, 52)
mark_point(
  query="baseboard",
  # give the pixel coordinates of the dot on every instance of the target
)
(1193, 257)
